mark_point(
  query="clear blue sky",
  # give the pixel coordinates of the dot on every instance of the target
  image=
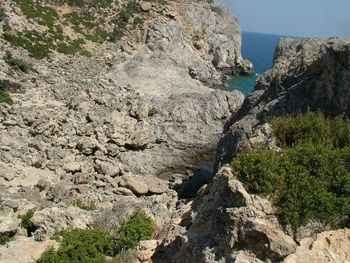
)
(304, 18)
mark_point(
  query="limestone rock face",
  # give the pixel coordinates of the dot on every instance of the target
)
(307, 74)
(24, 250)
(327, 247)
(225, 224)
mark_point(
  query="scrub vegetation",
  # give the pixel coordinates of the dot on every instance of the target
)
(93, 245)
(310, 178)
(91, 20)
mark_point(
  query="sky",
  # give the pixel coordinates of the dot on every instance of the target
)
(303, 18)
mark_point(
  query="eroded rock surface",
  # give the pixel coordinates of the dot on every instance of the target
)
(331, 246)
(307, 74)
(225, 224)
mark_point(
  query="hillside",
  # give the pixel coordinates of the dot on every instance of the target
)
(102, 99)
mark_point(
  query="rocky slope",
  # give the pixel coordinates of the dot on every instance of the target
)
(225, 223)
(100, 129)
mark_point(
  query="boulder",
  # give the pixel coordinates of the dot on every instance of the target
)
(7, 172)
(49, 220)
(137, 186)
(107, 168)
(24, 250)
(9, 222)
(72, 167)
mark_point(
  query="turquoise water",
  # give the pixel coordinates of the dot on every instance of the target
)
(259, 49)
(244, 84)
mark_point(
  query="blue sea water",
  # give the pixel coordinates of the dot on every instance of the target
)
(259, 49)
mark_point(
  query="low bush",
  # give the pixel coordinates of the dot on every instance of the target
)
(17, 63)
(26, 223)
(2, 14)
(5, 98)
(4, 238)
(311, 127)
(310, 178)
(81, 246)
(121, 22)
(93, 245)
(131, 231)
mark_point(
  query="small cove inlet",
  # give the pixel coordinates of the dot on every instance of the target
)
(259, 49)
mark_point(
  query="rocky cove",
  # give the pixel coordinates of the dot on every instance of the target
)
(103, 129)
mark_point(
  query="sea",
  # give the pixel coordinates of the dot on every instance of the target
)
(259, 49)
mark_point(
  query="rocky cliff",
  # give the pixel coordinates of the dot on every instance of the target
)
(307, 74)
(106, 98)
(225, 223)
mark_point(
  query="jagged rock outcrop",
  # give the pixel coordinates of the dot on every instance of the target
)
(307, 74)
(225, 224)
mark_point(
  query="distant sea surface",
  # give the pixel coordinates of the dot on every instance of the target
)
(259, 49)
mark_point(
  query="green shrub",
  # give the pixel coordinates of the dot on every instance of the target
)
(310, 178)
(6, 27)
(4, 238)
(16, 63)
(2, 14)
(26, 223)
(34, 10)
(93, 245)
(311, 127)
(81, 246)
(5, 98)
(87, 3)
(122, 20)
(138, 227)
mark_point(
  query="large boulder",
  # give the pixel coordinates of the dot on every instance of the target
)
(226, 224)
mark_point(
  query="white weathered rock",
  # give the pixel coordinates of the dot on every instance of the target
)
(87, 145)
(155, 184)
(9, 222)
(72, 167)
(7, 172)
(146, 6)
(107, 168)
(137, 186)
(327, 247)
(146, 249)
(24, 250)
